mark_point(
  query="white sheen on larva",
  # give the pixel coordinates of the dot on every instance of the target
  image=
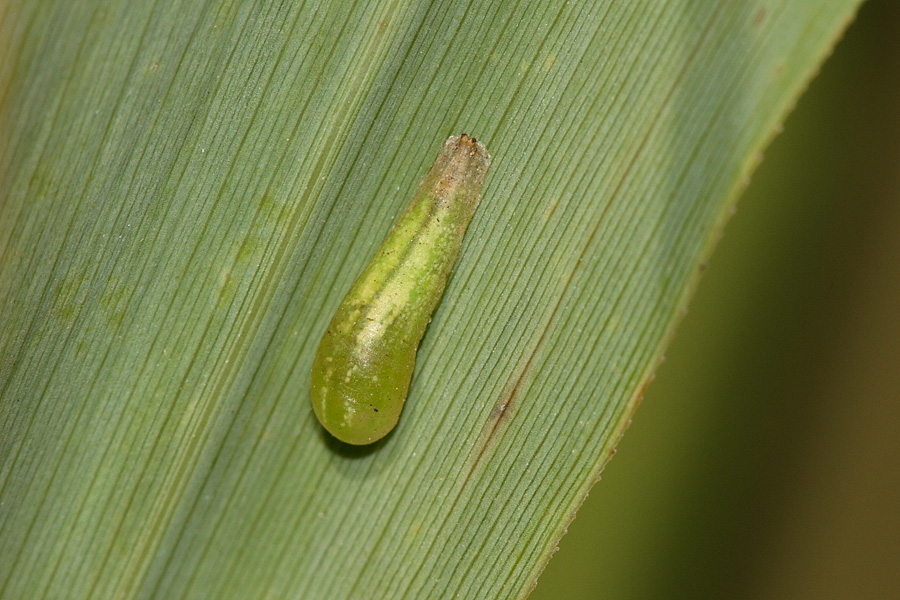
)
(362, 369)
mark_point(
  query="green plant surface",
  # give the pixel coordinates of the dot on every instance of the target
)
(763, 460)
(189, 188)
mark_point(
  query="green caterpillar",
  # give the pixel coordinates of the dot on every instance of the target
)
(362, 369)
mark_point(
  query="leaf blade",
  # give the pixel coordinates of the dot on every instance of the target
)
(233, 174)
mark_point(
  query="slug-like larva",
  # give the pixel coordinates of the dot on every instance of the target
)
(362, 369)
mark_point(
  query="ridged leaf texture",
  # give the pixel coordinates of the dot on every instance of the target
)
(187, 190)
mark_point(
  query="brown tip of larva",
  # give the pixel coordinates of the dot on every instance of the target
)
(470, 146)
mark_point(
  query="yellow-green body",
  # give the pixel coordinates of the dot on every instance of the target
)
(362, 369)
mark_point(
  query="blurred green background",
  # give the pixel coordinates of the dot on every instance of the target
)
(764, 461)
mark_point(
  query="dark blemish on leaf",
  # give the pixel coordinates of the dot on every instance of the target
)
(760, 17)
(503, 411)
(639, 395)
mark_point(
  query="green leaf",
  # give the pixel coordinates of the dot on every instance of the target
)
(189, 188)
